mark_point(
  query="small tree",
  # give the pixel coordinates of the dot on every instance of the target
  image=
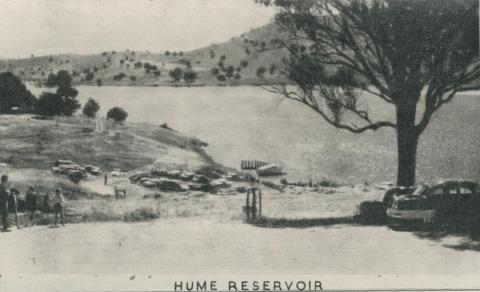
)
(190, 76)
(117, 114)
(89, 76)
(261, 71)
(176, 74)
(244, 63)
(91, 108)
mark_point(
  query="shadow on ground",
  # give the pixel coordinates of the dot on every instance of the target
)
(371, 213)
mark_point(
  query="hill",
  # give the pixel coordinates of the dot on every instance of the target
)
(31, 143)
(254, 57)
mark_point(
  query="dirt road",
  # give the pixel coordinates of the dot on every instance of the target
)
(210, 246)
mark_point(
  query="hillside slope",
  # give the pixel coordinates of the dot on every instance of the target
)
(30, 143)
(237, 60)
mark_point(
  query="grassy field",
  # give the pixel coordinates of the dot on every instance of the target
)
(30, 143)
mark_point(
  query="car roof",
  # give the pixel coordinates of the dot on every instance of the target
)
(453, 181)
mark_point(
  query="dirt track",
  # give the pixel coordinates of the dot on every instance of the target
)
(189, 245)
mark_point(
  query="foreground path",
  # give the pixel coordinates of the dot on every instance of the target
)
(190, 245)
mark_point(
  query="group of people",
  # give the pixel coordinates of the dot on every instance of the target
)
(9, 203)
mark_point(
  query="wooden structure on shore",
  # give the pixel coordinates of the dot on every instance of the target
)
(252, 164)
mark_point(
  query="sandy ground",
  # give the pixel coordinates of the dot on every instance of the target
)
(192, 245)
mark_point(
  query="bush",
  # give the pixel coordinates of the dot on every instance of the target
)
(117, 114)
(190, 76)
(261, 71)
(214, 71)
(119, 76)
(99, 82)
(221, 78)
(141, 214)
(176, 74)
(89, 76)
(91, 108)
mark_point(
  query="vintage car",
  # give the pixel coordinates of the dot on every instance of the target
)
(453, 199)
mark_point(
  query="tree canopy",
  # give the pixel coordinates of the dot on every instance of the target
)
(63, 101)
(14, 94)
(412, 54)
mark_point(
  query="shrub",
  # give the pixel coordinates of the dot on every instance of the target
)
(261, 71)
(176, 74)
(119, 76)
(99, 82)
(89, 76)
(190, 76)
(91, 108)
(214, 71)
(229, 71)
(221, 78)
(117, 114)
(141, 214)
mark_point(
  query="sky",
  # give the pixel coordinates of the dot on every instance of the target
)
(44, 27)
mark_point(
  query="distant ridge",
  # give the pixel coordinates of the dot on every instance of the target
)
(237, 60)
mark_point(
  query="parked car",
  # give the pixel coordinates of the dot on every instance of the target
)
(117, 172)
(453, 199)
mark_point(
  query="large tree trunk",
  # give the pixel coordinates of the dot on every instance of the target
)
(407, 141)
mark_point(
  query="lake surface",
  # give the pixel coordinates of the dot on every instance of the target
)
(246, 122)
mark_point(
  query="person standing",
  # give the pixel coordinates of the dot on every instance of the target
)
(4, 202)
(105, 179)
(30, 205)
(13, 204)
(58, 206)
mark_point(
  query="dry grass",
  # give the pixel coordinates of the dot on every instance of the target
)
(45, 182)
(31, 143)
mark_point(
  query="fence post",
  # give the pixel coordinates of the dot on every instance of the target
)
(247, 207)
(254, 204)
(259, 204)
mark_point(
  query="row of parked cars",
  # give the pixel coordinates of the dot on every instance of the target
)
(74, 171)
(452, 199)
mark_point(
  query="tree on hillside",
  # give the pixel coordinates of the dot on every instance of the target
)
(63, 101)
(91, 108)
(214, 71)
(117, 114)
(261, 71)
(176, 74)
(413, 55)
(230, 70)
(190, 76)
(51, 80)
(14, 94)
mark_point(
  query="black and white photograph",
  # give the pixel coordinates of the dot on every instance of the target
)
(239, 145)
